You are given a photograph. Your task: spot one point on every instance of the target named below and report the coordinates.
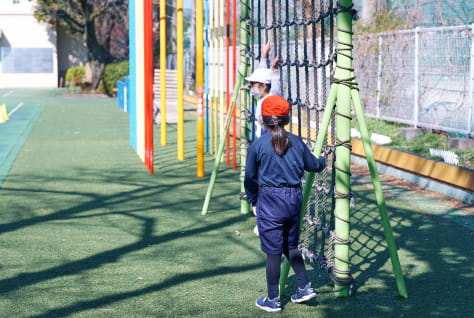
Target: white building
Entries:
(29, 52)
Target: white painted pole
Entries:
(471, 86)
(416, 97)
(212, 77)
(221, 36)
(379, 76)
(215, 75)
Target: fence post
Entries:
(471, 85)
(120, 95)
(379, 77)
(415, 120)
(126, 93)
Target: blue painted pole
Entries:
(126, 95)
(120, 91)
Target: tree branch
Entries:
(105, 6)
(76, 25)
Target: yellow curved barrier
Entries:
(453, 175)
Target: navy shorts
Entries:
(278, 218)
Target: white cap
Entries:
(261, 75)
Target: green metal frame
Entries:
(342, 93)
(392, 247)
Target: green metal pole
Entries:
(244, 99)
(344, 95)
(343, 154)
(220, 150)
(310, 176)
(392, 248)
(243, 69)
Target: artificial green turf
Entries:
(87, 232)
(13, 133)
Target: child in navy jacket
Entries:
(275, 165)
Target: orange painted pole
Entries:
(148, 58)
(234, 79)
(227, 75)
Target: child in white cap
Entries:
(264, 82)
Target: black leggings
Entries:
(273, 270)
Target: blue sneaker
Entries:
(304, 294)
(270, 305)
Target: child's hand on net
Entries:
(275, 63)
(265, 49)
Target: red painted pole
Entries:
(148, 58)
(227, 78)
(234, 72)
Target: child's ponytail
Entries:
(280, 140)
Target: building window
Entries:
(26, 60)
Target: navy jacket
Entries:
(265, 167)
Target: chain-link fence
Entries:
(422, 77)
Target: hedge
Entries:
(112, 73)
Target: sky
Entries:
(187, 4)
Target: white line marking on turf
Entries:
(15, 109)
(7, 94)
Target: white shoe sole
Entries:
(303, 299)
(268, 309)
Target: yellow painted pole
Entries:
(200, 87)
(163, 72)
(180, 69)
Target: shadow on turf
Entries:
(435, 255)
(437, 269)
(110, 256)
(170, 282)
(148, 188)
(144, 191)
